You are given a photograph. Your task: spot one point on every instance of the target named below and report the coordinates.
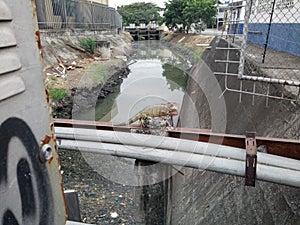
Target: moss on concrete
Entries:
(98, 72)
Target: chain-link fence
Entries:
(265, 35)
(82, 14)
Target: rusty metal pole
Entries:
(251, 159)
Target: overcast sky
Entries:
(115, 3)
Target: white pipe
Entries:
(174, 144)
(203, 45)
(212, 163)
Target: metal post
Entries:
(268, 32)
(63, 13)
(72, 203)
(92, 14)
(251, 159)
(245, 34)
(78, 15)
(40, 9)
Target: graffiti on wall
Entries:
(25, 190)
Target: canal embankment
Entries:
(71, 70)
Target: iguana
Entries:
(161, 110)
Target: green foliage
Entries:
(88, 44)
(197, 54)
(54, 78)
(187, 12)
(58, 93)
(140, 12)
(211, 22)
(174, 13)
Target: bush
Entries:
(88, 44)
(58, 93)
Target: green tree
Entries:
(186, 12)
(139, 13)
(204, 10)
(173, 14)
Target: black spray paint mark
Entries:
(9, 218)
(24, 176)
(31, 202)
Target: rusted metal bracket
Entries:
(251, 159)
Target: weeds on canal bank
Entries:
(197, 53)
(89, 44)
(98, 72)
(58, 93)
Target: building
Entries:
(231, 15)
(221, 16)
(277, 26)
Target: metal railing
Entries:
(263, 49)
(81, 14)
(104, 139)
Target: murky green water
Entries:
(157, 76)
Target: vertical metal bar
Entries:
(267, 96)
(235, 22)
(77, 14)
(248, 7)
(241, 89)
(227, 64)
(41, 14)
(254, 90)
(72, 203)
(251, 159)
(268, 32)
(63, 13)
(92, 14)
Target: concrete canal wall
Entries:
(204, 197)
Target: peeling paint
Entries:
(46, 140)
(38, 41)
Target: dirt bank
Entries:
(189, 45)
(70, 70)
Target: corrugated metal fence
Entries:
(83, 14)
